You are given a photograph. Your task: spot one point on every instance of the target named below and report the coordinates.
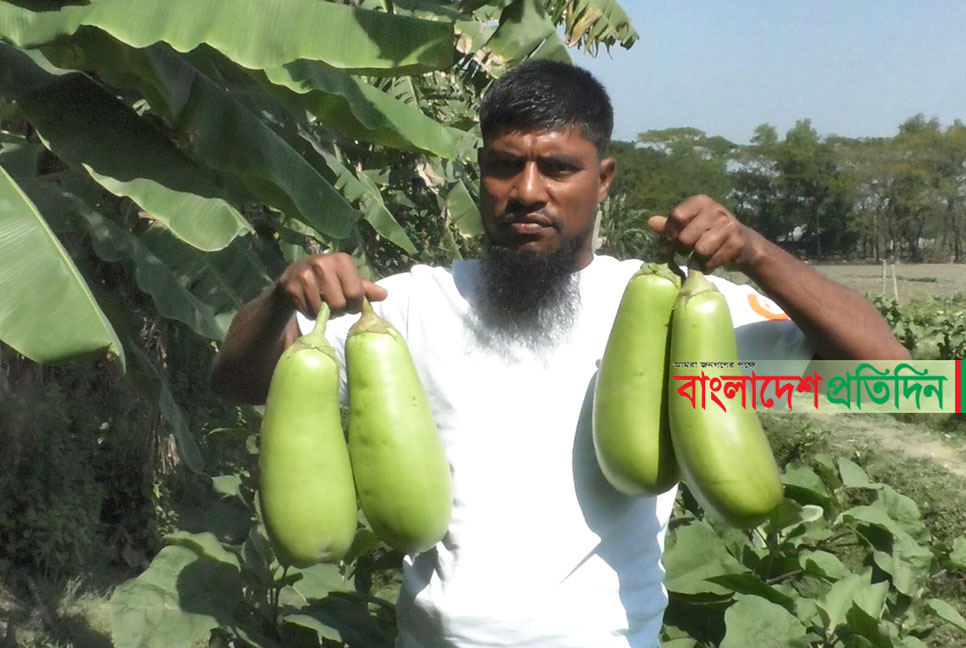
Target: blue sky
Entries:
(856, 68)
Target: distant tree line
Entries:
(898, 198)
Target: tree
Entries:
(793, 191)
(215, 122)
(952, 188)
(868, 161)
(934, 162)
(659, 170)
(160, 161)
(756, 196)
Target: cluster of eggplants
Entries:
(646, 435)
(394, 459)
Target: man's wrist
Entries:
(755, 256)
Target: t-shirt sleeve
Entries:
(394, 309)
(762, 329)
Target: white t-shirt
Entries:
(541, 551)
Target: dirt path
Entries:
(911, 439)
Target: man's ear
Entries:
(608, 167)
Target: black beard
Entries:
(527, 298)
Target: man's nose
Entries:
(530, 187)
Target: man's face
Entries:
(539, 191)
(539, 197)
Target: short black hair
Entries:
(542, 94)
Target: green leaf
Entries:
(834, 606)
(172, 300)
(19, 157)
(752, 585)
(361, 111)
(828, 470)
(228, 522)
(111, 243)
(874, 515)
(351, 618)
(223, 280)
(221, 130)
(524, 28)
(680, 642)
(552, 48)
(258, 35)
(806, 609)
(865, 625)
(908, 564)
(872, 599)
(227, 485)
(316, 582)
(303, 619)
(205, 545)
(753, 621)
(251, 634)
(822, 563)
(791, 515)
(256, 557)
(803, 485)
(947, 613)
(695, 555)
(903, 510)
(47, 312)
(84, 125)
(473, 31)
(361, 188)
(958, 555)
(674, 637)
(175, 603)
(365, 542)
(853, 476)
(463, 210)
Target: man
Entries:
(541, 551)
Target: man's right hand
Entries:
(332, 278)
(265, 326)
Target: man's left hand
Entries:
(714, 234)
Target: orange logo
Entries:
(768, 309)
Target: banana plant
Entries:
(205, 143)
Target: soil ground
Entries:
(912, 438)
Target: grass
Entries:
(40, 613)
(37, 612)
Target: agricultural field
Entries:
(913, 282)
(922, 456)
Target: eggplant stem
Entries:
(674, 267)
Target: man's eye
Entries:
(556, 169)
(503, 166)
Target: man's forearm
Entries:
(261, 330)
(838, 322)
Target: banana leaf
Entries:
(47, 312)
